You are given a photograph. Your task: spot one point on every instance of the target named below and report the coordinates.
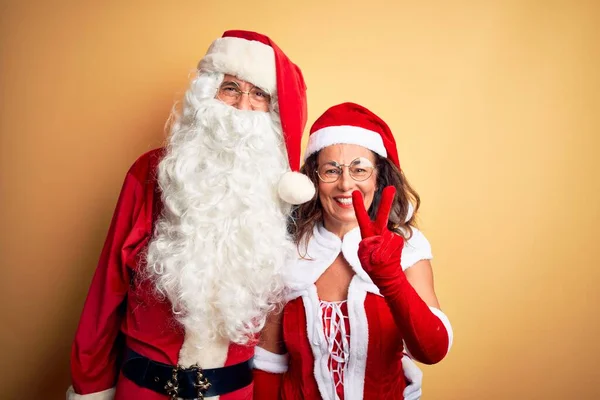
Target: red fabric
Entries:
(424, 333)
(120, 306)
(291, 95)
(267, 385)
(384, 376)
(380, 253)
(352, 114)
(299, 381)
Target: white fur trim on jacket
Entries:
(269, 361)
(108, 394)
(345, 134)
(248, 60)
(324, 247)
(357, 360)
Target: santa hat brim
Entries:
(345, 134)
(249, 60)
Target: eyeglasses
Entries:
(359, 169)
(230, 93)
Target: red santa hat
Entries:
(255, 58)
(350, 123)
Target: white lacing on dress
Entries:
(338, 340)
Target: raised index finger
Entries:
(385, 206)
(364, 221)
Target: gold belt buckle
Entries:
(202, 384)
(172, 386)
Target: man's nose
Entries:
(244, 102)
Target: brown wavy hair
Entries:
(307, 215)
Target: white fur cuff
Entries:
(108, 394)
(270, 362)
(438, 313)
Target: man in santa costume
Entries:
(190, 267)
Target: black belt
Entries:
(186, 383)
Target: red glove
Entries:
(380, 253)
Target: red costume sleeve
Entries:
(425, 333)
(95, 351)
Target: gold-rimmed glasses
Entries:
(360, 169)
(230, 93)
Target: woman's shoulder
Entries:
(416, 248)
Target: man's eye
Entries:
(259, 93)
(333, 171)
(230, 89)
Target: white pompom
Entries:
(296, 188)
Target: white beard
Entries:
(221, 242)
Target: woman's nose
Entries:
(345, 182)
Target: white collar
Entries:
(321, 252)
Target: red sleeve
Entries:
(426, 334)
(95, 351)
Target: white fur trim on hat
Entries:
(108, 394)
(345, 134)
(295, 188)
(248, 60)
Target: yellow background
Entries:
(495, 106)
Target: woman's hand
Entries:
(425, 330)
(379, 249)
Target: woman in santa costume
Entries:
(361, 292)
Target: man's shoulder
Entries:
(144, 168)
